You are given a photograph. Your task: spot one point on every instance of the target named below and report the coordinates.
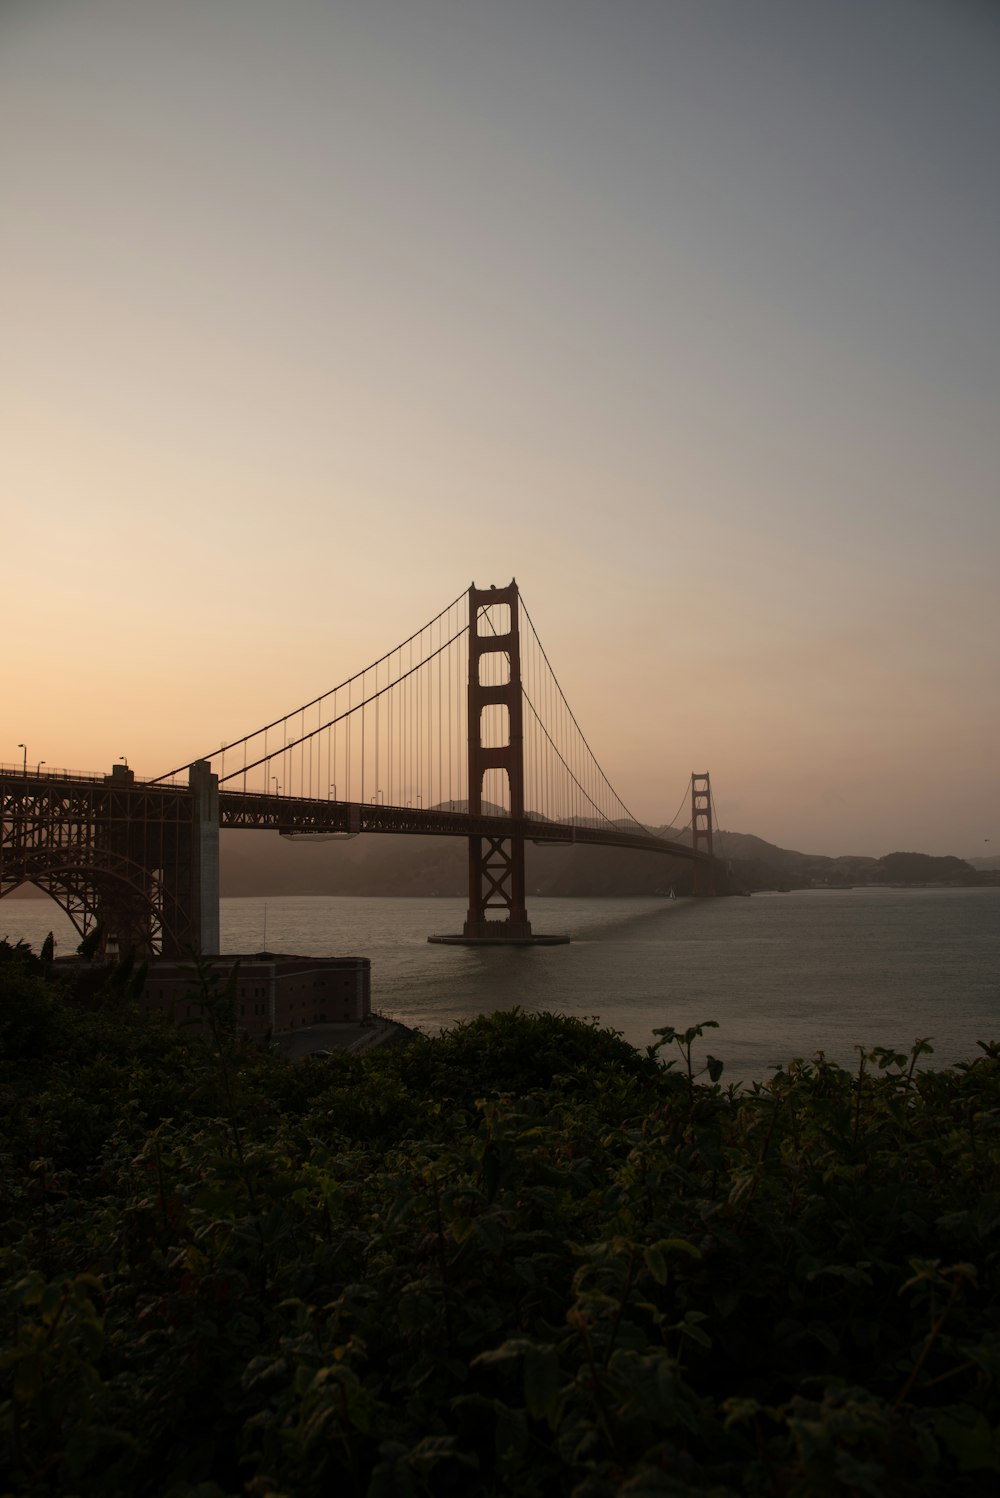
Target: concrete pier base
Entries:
(205, 858)
(531, 940)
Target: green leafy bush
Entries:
(518, 1259)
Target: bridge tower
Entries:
(701, 833)
(496, 864)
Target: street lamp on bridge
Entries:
(334, 790)
(277, 787)
(38, 767)
(25, 766)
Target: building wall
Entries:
(273, 993)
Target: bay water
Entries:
(783, 974)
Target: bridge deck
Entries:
(99, 795)
(290, 815)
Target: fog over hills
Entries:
(257, 863)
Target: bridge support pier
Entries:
(205, 858)
(184, 874)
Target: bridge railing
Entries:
(93, 777)
(50, 774)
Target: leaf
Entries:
(542, 1383)
(490, 1234)
(491, 1173)
(29, 1378)
(461, 1228)
(433, 1449)
(849, 1272)
(690, 1328)
(726, 1300)
(511, 1433)
(33, 1289)
(218, 1201)
(974, 1447)
(825, 1335)
(515, 1347)
(392, 1477)
(741, 1410)
(648, 1482)
(656, 1263)
(680, 1245)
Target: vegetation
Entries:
(756, 865)
(921, 868)
(518, 1259)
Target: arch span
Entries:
(99, 888)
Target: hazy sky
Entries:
(686, 313)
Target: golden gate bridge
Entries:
(462, 730)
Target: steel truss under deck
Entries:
(113, 854)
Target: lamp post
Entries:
(25, 765)
(334, 790)
(38, 767)
(277, 787)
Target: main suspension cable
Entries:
(579, 730)
(315, 700)
(358, 707)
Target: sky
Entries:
(685, 313)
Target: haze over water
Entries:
(784, 974)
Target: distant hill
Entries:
(261, 863)
(255, 863)
(759, 865)
(920, 868)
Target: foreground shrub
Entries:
(520, 1259)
